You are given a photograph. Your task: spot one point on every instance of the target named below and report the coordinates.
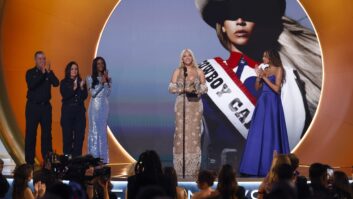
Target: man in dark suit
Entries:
(39, 80)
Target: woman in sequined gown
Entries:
(195, 86)
(99, 85)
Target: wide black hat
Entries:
(264, 12)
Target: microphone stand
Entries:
(184, 110)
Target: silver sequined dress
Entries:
(98, 111)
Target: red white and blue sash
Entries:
(229, 94)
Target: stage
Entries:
(317, 43)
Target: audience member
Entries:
(148, 172)
(204, 182)
(22, 175)
(173, 190)
(271, 178)
(301, 182)
(319, 182)
(227, 187)
(341, 187)
(284, 187)
(4, 185)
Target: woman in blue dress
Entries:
(268, 131)
(99, 85)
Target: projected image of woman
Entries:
(194, 87)
(247, 28)
(99, 86)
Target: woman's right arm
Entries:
(97, 88)
(259, 74)
(258, 83)
(173, 86)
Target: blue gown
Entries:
(267, 133)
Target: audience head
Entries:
(294, 161)
(341, 182)
(205, 179)
(227, 183)
(278, 160)
(329, 172)
(149, 163)
(318, 174)
(22, 175)
(284, 172)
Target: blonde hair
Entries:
(194, 62)
(278, 159)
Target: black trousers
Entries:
(73, 123)
(38, 114)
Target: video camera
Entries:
(74, 169)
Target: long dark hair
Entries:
(68, 70)
(341, 182)
(95, 70)
(227, 183)
(172, 180)
(20, 180)
(275, 60)
(149, 163)
(206, 177)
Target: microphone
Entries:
(185, 72)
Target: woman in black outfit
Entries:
(227, 187)
(73, 112)
(148, 175)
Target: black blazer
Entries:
(71, 96)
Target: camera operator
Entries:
(96, 188)
(92, 175)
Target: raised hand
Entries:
(48, 67)
(39, 189)
(107, 78)
(82, 84)
(259, 71)
(42, 189)
(75, 84)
